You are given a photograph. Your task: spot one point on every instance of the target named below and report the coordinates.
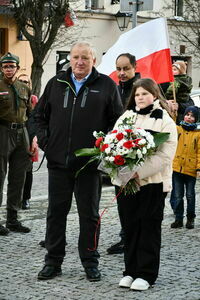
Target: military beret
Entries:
(9, 57)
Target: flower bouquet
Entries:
(123, 150)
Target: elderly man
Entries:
(74, 104)
(15, 106)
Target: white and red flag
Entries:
(149, 43)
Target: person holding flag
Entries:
(177, 92)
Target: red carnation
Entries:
(104, 146)
(128, 130)
(136, 141)
(119, 160)
(128, 144)
(119, 136)
(114, 131)
(98, 142)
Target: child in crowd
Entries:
(186, 167)
(143, 211)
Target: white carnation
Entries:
(107, 150)
(142, 142)
(95, 134)
(144, 150)
(139, 153)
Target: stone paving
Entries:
(22, 258)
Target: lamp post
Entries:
(122, 20)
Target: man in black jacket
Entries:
(125, 67)
(74, 104)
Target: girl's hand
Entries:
(135, 175)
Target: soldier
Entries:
(14, 108)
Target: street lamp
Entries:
(122, 20)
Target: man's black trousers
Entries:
(87, 191)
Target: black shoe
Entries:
(3, 230)
(49, 272)
(26, 204)
(17, 227)
(190, 223)
(93, 274)
(177, 224)
(42, 244)
(116, 248)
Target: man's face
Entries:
(9, 70)
(81, 61)
(125, 69)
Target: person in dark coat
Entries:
(30, 124)
(125, 68)
(182, 89)
(74, 104)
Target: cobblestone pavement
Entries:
(22, 258)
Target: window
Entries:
(62, 60)
(3, 41)
(94, 4)
(179, 8)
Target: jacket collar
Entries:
(127, 84)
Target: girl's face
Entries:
(189, 118)
(143, 98)
(175, 70)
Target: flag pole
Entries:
(174, 97)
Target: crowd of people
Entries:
(75, 103)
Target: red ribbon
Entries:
(99, 222)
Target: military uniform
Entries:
(15, 106)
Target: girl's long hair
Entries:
(151, 86)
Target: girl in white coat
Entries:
(143, 211)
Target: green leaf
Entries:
(87, 152)
(160, 138)
(91, 160)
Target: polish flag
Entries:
(149, 43)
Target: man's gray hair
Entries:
(87, 44)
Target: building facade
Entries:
(96, 22)
(12, 40)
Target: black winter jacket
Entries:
(126, 87)
(66, 121)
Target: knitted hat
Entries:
(194, 110)
(181, 66)
(9, 57)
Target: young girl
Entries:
(143, 211)
(186, 167)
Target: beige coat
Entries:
(158, 167)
